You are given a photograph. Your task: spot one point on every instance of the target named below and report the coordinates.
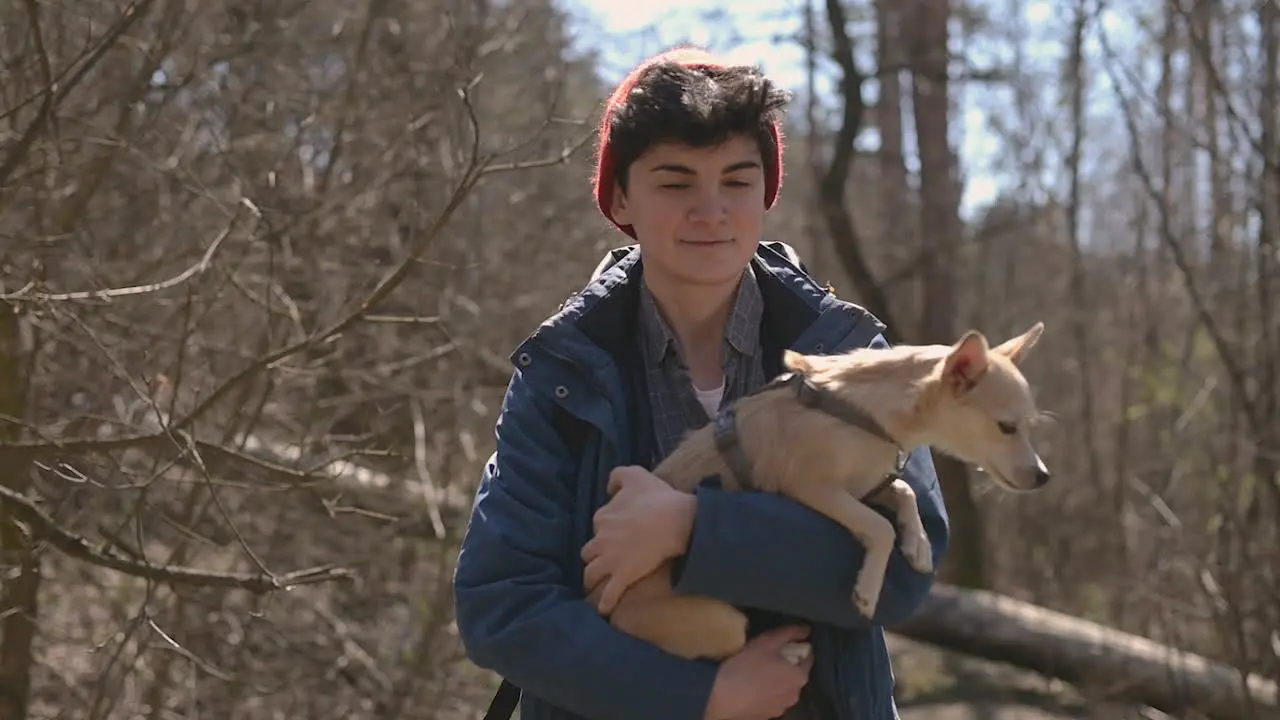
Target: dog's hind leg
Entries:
(690, 626)
(868, 526)
(911, 535)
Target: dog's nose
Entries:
(1042, 477)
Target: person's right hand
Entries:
(759, 683)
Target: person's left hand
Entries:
(644, 523)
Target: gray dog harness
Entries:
(729, 443)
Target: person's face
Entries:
(697, 213)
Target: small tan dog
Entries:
(833, 435)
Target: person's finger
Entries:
(610, 595)
(591, 550)
(593, 597)
(598, 517)
(784, 634)
(617, 479)
(593, 574)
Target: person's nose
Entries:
(708, 205)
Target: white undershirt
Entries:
(710, 399)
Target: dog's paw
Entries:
(865, 601)
(918, 551)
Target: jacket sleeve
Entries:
(766, 551)
(522, 614)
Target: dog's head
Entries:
(983, 407)
(968, 400)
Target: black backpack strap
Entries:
(504, 702)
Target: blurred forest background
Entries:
(262, 264)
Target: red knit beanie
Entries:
(689, 57)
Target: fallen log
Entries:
(981, 624)
(1086, 654)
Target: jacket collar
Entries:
(594, 326)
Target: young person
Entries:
(695, 315)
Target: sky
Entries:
(757, 21)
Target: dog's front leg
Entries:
(911, 535)
(868, 526)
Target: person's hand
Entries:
(644, 523)
(760, 683)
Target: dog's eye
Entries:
(1008, 428)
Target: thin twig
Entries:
(420, 464)
(205, 262)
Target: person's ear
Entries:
(619, 208)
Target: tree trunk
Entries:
(941, 231)
(894, 191)
(19, 563)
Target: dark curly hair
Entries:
(696, 105)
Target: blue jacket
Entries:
(520, 606)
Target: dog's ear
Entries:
(1016, 349)
(796, 362)
(966, 362)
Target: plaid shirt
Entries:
(676, 410)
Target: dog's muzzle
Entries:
(1042, 475)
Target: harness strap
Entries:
(730, 446)
(729, 442)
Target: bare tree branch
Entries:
(45, 529)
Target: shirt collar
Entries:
(742, 332)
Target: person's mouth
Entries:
(706, 243)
